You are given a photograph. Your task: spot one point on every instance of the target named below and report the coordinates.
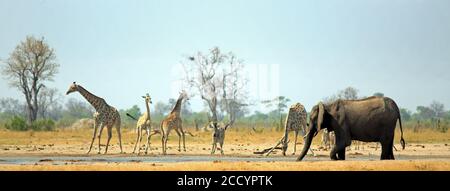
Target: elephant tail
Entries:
(402, 140)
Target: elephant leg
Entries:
(339, 149)
(341, 154)
(384, 150)
(333, 153)
(390, 150)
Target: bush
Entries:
(43, 125)
(17, 124)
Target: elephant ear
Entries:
(320, 116)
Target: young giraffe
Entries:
(144, 123)
(173, 121)
(105, 115)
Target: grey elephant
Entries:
(369, 120)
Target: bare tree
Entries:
(348, 93)
(12, 107)
(31, 64)
(438, 109)
(234, 92)
(161, 108)
(216, 78)
(48, 101)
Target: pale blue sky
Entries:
(122, 49)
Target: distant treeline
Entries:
(13, 115)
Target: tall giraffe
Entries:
(173, 121)
(105, 115)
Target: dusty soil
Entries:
(66, 150)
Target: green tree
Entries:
(76, 109)
(378, 94)
(424, 113)
(280, 104)
(405, 114)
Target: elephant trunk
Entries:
(308, 141)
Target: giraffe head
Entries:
(72, 88)
(147, 98)
(183, 95)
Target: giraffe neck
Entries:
(148, 109)
(95, 101)
(177, 107)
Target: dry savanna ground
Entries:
(425, 150)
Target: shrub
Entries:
(43, 125)
(17, 124)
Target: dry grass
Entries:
(234, 136)
(240, 142)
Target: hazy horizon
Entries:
(308, 50)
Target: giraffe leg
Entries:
(166, 138)
(179, 139)
(93, 137)
(163, 138)
(137, 140)
(221, 148)
(148, 140)
(140, 140)
(162, 144)
(109, 138)
(295, 142)
(213, 149)
(99, 136)
(184, 140)
(120, 137)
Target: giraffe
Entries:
(218, 136)
(295, 121)
(173, 121)
(144, 123)
(105, 115)
(328, 139)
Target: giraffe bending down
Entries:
(328, 139)
(173, 121)
(218, 136)
(295, 121)
(105, 115)
(144, 123)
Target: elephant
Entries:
(372, 119)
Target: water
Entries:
(190, 158)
